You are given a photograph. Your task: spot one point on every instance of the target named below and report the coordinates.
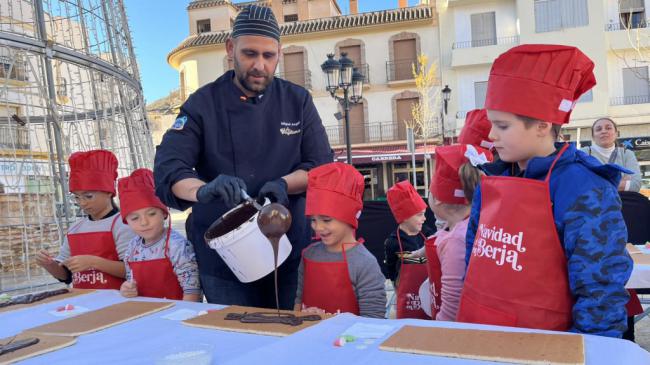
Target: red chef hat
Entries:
(93, 171)
(539, 81)
(445, 183)
(335, 190)
(476, 129)
(137, 192)
(404, 201)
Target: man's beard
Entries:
(242, 77)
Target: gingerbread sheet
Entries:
(217, 320)
(71, 293)
(510, 347)
(45, 344)
(100, 319)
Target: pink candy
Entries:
(339, 342)
(67, 307)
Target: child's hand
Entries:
(624, 180)
(44, 259)
(405, 254)
(80, 263)
(129, 289)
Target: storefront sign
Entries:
(639, 143)
(13, 168)
(386, 158)
(634, 143)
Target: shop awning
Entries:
(378, 154)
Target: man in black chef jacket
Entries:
(244, 131)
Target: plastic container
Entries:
(246, 251)
(425, 297)
(186, 354)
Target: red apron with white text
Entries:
(517, 273)
(99, 244)
(411, 276)
(327, 285)
(156, 278)
(435, 275)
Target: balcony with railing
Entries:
(364, 68)
(480, 51)
(615, 26)
(486, 42)
(299, 77)
(13, 137)
(629, 100)
(373, 132)
(624, 34)
(401, 70)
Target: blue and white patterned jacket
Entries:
(588, 219)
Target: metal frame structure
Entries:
(69, 81)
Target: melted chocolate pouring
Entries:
(267, 317)
(274, 221)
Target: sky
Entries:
(157, 27)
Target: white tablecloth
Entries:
(135, 342)
(640, 278)
(316, 344)
(140, 341)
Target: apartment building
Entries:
(383, 45)
(614, 34)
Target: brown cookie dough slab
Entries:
(100, 319)
(70, 294)
(216, 320)
(510, 347)
(45, 344)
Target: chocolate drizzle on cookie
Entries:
(270, 317)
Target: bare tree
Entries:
(426, 108)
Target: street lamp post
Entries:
(342, 75)
(446, 95)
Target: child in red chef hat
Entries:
(160, 262)
(408, 208)
(546, 238)
(338, 274)
(92, 252)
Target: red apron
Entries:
(633, 305)
(435, 275)
(327, 285)
(410, 278)
(99, 244)
(517, 274)
(156, 278)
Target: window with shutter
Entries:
(635, 85)
(553, 15)
(480, 90)
(484, 31)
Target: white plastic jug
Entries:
(246, 251)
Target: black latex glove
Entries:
(224, 187)
(276, 191)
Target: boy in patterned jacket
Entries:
(546, 238)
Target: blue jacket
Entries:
(589, 223)
(219, 132)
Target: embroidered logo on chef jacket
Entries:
(179, 123)
(289, 129)
(502, 247)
